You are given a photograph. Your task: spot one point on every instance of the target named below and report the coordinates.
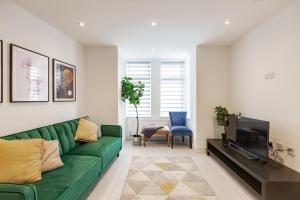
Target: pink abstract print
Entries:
(30, 76)
(33, 77)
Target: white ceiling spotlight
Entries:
(81, 24)
(227, 22)
(152, 49)
(153, 23)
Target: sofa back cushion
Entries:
(63, 132)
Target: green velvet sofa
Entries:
(83, 163)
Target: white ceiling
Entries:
(181, 24)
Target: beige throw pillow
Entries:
(86, 131)
(51, 159)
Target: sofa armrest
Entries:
(111, 130)
(18, 192)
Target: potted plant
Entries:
(222, 116)
(132, 92)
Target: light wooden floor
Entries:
(221, 181)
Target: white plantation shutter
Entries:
(140, 71)
(172, 87)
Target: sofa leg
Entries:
(172, 142)
(191, 142)
(118, 155)
(183, 139)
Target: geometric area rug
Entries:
(165, 178)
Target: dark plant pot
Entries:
(224, 140)
(220, 122)
(137, 140)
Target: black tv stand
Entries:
(242, 151)
(270, 181)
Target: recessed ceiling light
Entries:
(152, 49)
(81, 24)
(227, 22)
(153, 24)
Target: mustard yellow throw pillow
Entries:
(21, 161)
(86, 131)
(51, 158)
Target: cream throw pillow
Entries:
(50, 158)
(86, 131)
(20, 161)
(99, 134)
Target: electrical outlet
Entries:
(269, 76)
(291, 151)
(279, 146)
(270, 144)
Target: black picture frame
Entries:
(12, 98)
(1, 71)
(54, 86)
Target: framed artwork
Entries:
(1, 71)
(29, 75)
(64, 81)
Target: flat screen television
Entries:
(249, 134)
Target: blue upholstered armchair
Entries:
(178, 127)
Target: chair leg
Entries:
(172, 141)
(191, 142)
(182, 139)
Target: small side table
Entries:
(165, 131)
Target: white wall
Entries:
(212, 90)
(272, 47)
(22, 28)
(121, 108)
(102, 86)
(192, 122)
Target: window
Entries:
(140, 71)
(172, 87)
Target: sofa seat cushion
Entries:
(106, 148)
(70, 181)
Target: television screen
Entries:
(250, 134)
(231, 128)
